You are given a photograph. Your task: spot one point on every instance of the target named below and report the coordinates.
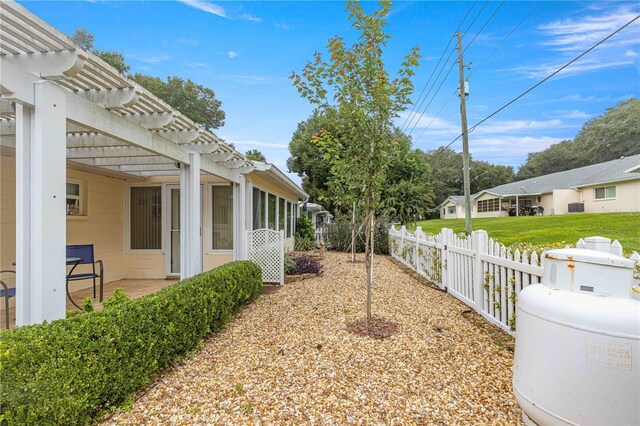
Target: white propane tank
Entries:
(577, 350)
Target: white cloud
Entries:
(206, 6)
(631, 53)
(232, 54)
(518, 126)
(570, 114)
(244, 78)
(196, 65)
(570, 36)
(250, 18)
(509, 149)
(283, 26)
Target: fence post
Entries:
(390, 234)
(480, 240)
(446, 238)
(417, 253)
(403, 230)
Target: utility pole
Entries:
(465, 141)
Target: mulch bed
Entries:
(379, 328)
(289, 358)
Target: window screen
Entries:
(272, 211)
(222, 217)
(145, 218)
(281, 214)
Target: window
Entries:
(451, 209)
(281, 214)
(259, 208)
(74, 198)
(605, 192)
(492, 205)
(145, 218)
(222, 217)
(271, 217)
(539, 199)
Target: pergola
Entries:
(62, 106)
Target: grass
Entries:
(624, 227)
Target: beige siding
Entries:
(447, 215)
(213, 260)
(486, 196)
(627, 198)
(145, 265)
(561, 200)
(546, 203)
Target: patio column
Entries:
(517, 207)
(41, 223)
(241, 216)
(190, 218)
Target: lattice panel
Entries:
(265, 247)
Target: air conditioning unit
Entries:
(576, 208)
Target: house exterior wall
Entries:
(561, 200)
(486, 196)
(104, 221)
(447, 215)
(627, 198)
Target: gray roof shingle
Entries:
(626, 168)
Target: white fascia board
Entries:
(50, 65)
(271, 169)
(18, 85)
(608, 182)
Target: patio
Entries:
(288, 359)
(133, 288)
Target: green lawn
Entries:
(538, 230)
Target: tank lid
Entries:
(589, 256)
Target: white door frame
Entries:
(167, 224)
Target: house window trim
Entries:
(127, 221)
(80, 197)
(488, 205)
(605, 198)
(209, 201)
(449, 208)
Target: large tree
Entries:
(197, 102)
(614, 134)
(255, 155)
(355, 84)
(85, 39)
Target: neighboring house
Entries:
(90, 157)
(613, 186)
(318, 214)
(453, 207)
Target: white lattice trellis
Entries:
(265, 247)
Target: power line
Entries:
(420, 115)
(539, 83)
(484, 26)
(435, 68)
(503, 40)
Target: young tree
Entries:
(255, 155)
(356, 86)
(85, 39)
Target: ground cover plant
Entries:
(74, 371)
(303, 264)
(543, 230)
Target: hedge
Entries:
(76, 370)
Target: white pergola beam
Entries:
(127, 168)
(221, 156)
(91, 140)
(122, 161)
(106, 152)
(153, 121)
(181, 136)
(113, 98)
(40, 201)
(50, 65)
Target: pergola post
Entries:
(190, 218)
(241, 218)
(517, 206)
(40, 206)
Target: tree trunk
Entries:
(369, 261)
(353, 234)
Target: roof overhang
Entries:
(608, 182)
(275, 173)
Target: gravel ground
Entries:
(288, 359)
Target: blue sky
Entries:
(246, 51)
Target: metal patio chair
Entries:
(85, 252)
(7, 293)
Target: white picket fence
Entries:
(477, 270)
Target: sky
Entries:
(246, 52)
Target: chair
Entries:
(7, 293)
(85, 252)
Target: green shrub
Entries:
(304, 228)
(74, 371)
(339, 237)
(304, 244)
